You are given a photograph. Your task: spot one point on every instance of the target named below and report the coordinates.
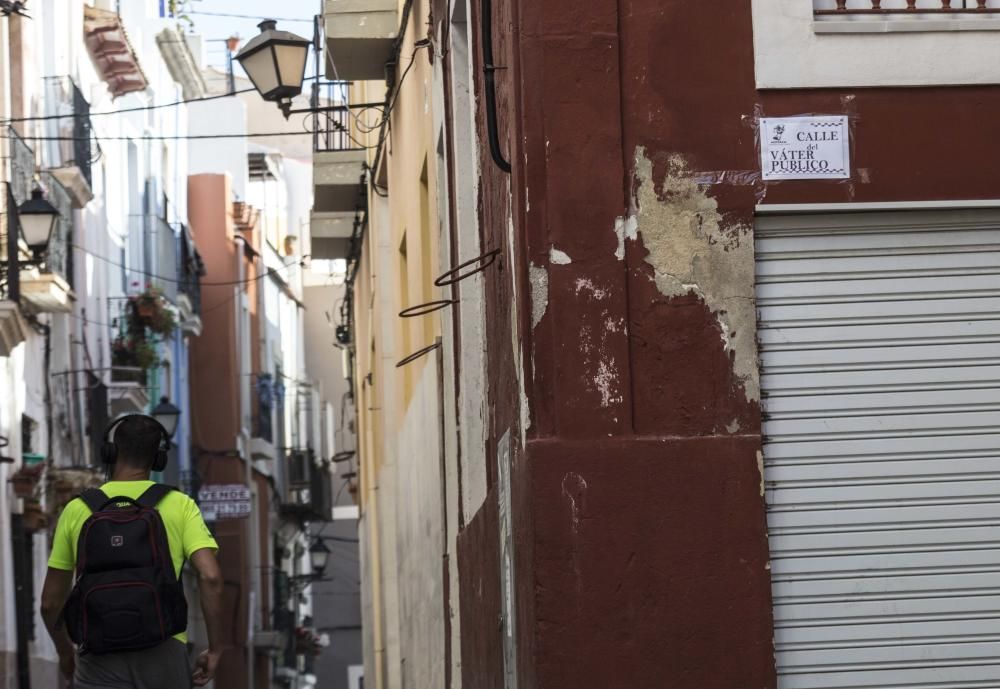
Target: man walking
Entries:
(126, 613)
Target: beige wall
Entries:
(399, 408)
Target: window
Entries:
(830, 43)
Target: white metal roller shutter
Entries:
(880, 347)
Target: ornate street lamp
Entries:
(37, 218)
(275, 61)
(168, 415)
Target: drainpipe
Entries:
(243, 443)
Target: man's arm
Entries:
(58, 584)
(210, 592)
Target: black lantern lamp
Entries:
(37, 218)
(319, 554)
(168, 415)
(275, 61)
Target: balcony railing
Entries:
(334, 130)
(70, 133)
(963, 8)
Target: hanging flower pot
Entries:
(151, 310)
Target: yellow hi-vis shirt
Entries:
(186, 529)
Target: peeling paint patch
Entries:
(587, 285)
(515, 342)
(694, 250)
(560, 258)
(760, 468)
(734, 427)
(539, 279)
(606, 382)
(625, 228)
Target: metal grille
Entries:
(881, 392)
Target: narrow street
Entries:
(499, 344)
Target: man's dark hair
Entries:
(137, 439)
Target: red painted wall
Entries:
(640, 527)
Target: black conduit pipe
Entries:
(486, 21)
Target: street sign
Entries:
(805, 148)
(224, 501)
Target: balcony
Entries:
(307, 494)
(338, 172)
(48, 288)
(111, 51)
(890, 16)
(359, 37)
(132, 354)
(68, 153)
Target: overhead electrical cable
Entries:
(249, 16)
(267, 273)
(185, 137)
(140, 108)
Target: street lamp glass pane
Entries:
(36, 228)
(260, 68)
(292, 64)
(319, 554)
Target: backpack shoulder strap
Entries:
(94, 498)
(152, 495)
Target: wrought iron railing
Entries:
(333, 130)
(69, 134)
(21, 166)
(59, 256)
(915, 7)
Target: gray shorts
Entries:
(163, 667)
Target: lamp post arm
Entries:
(286, 108)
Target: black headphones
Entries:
(109, 450)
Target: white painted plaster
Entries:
(790, 53)
(560, 258)
(538, 276)
(625, 228)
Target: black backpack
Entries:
(127, 596)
